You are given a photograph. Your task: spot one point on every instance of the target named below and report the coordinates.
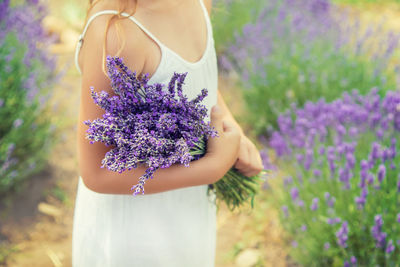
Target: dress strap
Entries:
(110, 12)
(207, 17)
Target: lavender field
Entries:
(315, 83)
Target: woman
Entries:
(173, 224)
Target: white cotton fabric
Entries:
(169, 229)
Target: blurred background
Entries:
(315, 83)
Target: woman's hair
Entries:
(123, 6)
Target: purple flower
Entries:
(378, 220)
(10, 150)
(17, 123)
(390, 247)
(379, 133)
(344, 177)
(364, 165)
(331, 202)
(309, 159)
(333, 221)
(377, 234)
(353, 131)
(361, 200)
(300, 158)
(381, 172)
(370, 179)
(341, 130)
(342, 235)
(4, 8)
(317, 173)
(353, 260)
(314, 204)
(363, 176)
(294, 192)
(266, 160)
(351, 160)
(398, 217)
(376, 152)
(300, 203)
(327, 246)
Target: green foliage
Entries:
(5, 251)
(228, 18)
(299, 50)
(293, 78)
(340, 161)
(60, 194)
(309, 245)
(26, 74)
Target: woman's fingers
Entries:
(229, 127)
(249, 162)
(225, 147)
(243, 161)
(256, 162)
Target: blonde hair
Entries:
(123, 6)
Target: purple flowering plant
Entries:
(156, 125)
(300, 50)
(27, 71)
(343, 195)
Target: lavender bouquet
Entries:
(148, 125)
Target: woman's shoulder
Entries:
(115, 29)
(123, 38)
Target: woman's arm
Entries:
(249, 161)
(221, 155)
(222, 151)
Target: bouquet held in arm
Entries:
(156, 125)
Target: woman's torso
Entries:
(174, 228)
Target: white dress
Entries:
(171, 229)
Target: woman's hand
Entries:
(224, 149)
(249, 161)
